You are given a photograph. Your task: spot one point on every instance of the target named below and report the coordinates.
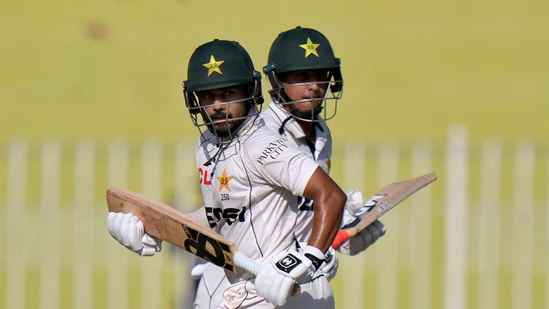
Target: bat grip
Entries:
(244, 262)
(341, 237)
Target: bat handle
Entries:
(244, 262)
(341, 237)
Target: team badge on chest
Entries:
(224, 181)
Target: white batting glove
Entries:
(128, 230)
(355, 209)
(276, 278)
(330, 265)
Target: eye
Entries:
(203, 95)
(304, 75)
(228, 93)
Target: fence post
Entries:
(50, 223)
(83, 259)
(15, 233)
(151, 186)
(420, 235)
(455, 263)
(488, 224)
(117, 256)
(523, 229)
(547, 238)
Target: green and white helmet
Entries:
(303, 49)
(219, 64)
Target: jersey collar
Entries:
(292, 126)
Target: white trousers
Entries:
(213, 284)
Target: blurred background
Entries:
(90, 97)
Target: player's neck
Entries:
(309, 129)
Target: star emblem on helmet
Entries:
(224, 180)
(310, 48)
(213, 66)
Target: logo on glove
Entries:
(288, 263)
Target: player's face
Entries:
(307, 86)
(225, 108)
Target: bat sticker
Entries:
(373, 201)
(196, 243)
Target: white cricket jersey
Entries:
(249, 188)
(275, 116)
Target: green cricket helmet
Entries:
(304, 49)
(220, 64)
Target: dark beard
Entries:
(225, 129)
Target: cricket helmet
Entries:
(304, 49)
(220, 64)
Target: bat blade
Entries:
(384, 200)
(170, 225)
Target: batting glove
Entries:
(355, 209)
(128, 230)
(330, 265)
(276, 278)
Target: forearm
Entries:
(327, 219)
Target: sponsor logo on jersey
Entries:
(205, 177)
(273, 150)
(305, 204)
(224, 181)
(230, 215)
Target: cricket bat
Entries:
(383, 201)
(168, 224)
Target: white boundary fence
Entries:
(477, 238)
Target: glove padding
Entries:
(354, 211)
(330, 265)
(128, 230)
(364, 239)
(276, 278)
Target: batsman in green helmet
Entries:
(306, 84)
(222, 71)
(304, 74)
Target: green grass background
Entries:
(411, 69)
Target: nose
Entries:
(312, 86)
(219, 105)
